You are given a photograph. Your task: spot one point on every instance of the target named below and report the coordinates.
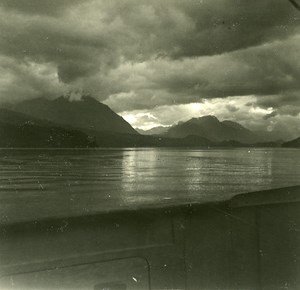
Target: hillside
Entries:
(86, 114)
(211, 128)
(23, 130)
(19, 130)
(292, 144)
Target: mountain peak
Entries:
(69, 99)
(204, 120)
(89, 98)
(86, 113)
(211, 128)
(208, 117)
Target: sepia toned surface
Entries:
(52, 183)
(236, 244)
(149, 144)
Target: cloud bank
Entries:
(142, 56)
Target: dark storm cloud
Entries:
(276, 101)
(140, 54)
(283, 104)
(270, 71)
(221, 26)
(42, 39)
(44, 7)
(23, 81)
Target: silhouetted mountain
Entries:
(153, 131)
(272, 136)
(292, 144)
(19, 130)
(270, 144)
(211, 128)
(76, 124)
(20, 119)
(86, 114)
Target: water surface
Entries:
(51, 183)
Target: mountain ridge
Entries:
(211, 128)
(295, 143)
(85, 114)
(93, 120)
(18, 130)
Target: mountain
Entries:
(86, 114)
(85, 123)
(211, 128)
(153, 131)
(272, 136)
(292, 144)
(22, 130)
(19, 130)
(20, 119)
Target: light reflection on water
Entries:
(42, 183)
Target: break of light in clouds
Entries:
(233, 108)
(157, 62)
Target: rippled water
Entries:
(43, 183)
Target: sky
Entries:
(158, 62)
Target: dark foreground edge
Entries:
(249, 242)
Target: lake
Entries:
(42, 183)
